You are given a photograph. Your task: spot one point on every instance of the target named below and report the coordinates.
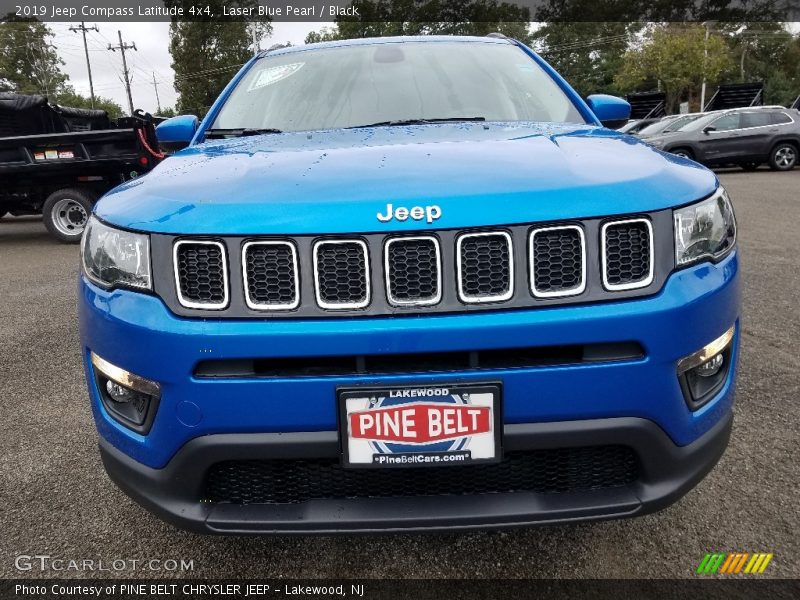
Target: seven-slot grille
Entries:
(270, 275)
(557, 261)
(485, 267)
(341, 270)
(413, 269)
(201, 274)
(627, 254)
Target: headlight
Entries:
(704, 230)
(656, 143)
(112, 257)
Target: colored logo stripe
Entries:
(734, 563)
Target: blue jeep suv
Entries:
(409, 284)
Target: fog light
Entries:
(703, 373)
(119, 393)
(710, 368)
(128, 398)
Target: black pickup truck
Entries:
(57, 161)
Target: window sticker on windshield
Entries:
(274, 75)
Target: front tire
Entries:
(683, 153)
(783, 157)
(66, 213)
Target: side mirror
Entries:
(709, 129)
(611, 111)
(176, 133)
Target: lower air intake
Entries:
(542, 471)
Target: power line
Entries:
(83, 29)
(155, 86)
(122, 47)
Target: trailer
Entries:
(57, 161)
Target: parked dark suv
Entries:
(745, 137)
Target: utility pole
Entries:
(708, 25)
(38, 66)
(83, 29)
(122, 47)
(158, 101)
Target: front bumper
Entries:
(199, 422)
(666, 473)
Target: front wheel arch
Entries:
(682, 151)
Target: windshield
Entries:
(656, 127)
(700, 122)
(680, 123)
(630, 125)
(359, 85)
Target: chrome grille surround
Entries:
(435, 298)
(188, 303)
(532, 263)
(639, 283)
(246, 278)
(318, 284)
(478, 299)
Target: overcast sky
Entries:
(152, 56)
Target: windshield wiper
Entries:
(401, 122)
(241, 132)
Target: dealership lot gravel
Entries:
(56, 500)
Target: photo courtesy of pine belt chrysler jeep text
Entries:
(409, 284)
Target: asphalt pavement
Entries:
(56, 500)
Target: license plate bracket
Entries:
(420, 425)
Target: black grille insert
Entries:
(421, 362)
(485, 269)
(557, 261)
(413, 270)
(627, 254)
(341, 274)
(543, 471)
(201, 274)
(271, 275)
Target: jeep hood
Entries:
(337, 181)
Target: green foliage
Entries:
(765, 52)
(206, 54)
(28, 63)
(379, 18)
(67, 96)
(673, 57)
(168, 112)
(587, 54)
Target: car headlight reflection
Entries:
(705, 230)
(115, 258)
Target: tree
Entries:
(206, 54)
(763, 51)
(672, 56)
(168, 112)
(28, 62)
(378, 18)
(67, 96)
(587, 54)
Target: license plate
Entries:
(420, 426)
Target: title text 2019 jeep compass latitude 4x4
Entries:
(409, 283)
